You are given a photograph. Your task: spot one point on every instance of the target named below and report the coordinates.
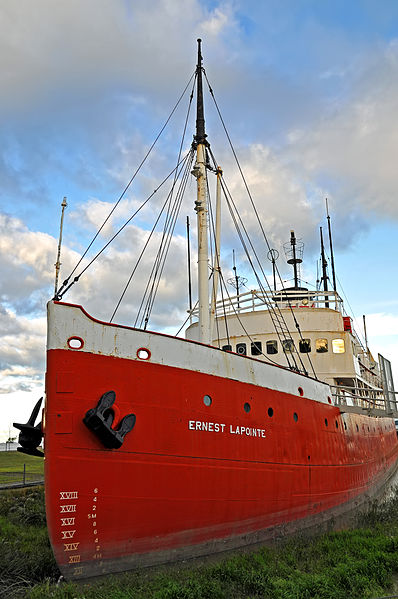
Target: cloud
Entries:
(22, 351)
(50, 48)
(350, 149)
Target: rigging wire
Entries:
(218, 267)
(264, 236)
(183, 161)
(61, 292)
(278, 317)
(164, 247)
(75, 280)
(170, 223)
(237, 315)
(165, 228)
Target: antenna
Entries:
(331, 247)
(236, 281)
(273, 256)
(58, 263)
(294, 254)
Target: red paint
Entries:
(173, 484)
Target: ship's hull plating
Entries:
(190, 478)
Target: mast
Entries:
(273, 255)
(366, 334)
(294, 260)
(331, 248)
(58, 263)
(189, 271)
(201, 208)
(216, 264)
(324, 271)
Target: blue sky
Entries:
(309, 91)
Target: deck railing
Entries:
(253, 300)
(358, 396)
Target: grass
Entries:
(352, 564)
(12, 464)
(26, 557)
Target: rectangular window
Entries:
(321, 346)
(305, 346)
(241, 349)
(288, 346)
(227, 348)
(256, 348)
(338, 346)
(272, 347)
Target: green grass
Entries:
(12, 464)
(13, 461)
(352, 564)
(26, 557)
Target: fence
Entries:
(22, 478)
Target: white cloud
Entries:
(354, 144)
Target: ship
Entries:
(270, 417)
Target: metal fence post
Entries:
(24, 474)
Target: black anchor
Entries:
(30, 436)
(100, 419)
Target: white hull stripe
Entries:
(66, 321)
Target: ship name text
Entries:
(231, 429)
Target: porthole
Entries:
(270, 412)
(301, 392)
(326, 422)
(207, 400)
(329, 399)
(143, 353)
(75, 343)
(247, 407)
(295, 417)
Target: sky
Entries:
(309, 93)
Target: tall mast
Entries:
(324, 271)
(58, 263)
(216, 263)
(331, 248)
(201, 208)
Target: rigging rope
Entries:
(280, 316)
(157, 270)
(183, 161)
(75, 280)
(169, 224)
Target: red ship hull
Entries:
(191, 478)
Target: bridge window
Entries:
(338, 346)
(272, 346)
(256, 348)
(305, 346)
(321, 346)
(288, 346)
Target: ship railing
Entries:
(253, 300)
(358, 396)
